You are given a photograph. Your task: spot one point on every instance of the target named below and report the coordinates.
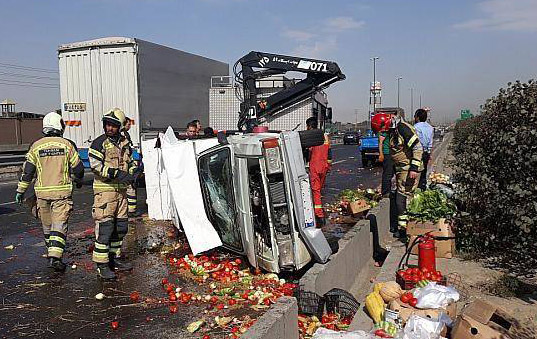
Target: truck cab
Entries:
(256, 194)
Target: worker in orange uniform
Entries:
(320, 161)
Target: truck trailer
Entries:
(156, 86)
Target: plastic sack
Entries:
(422, 328)
(324, 333)
(435, 296)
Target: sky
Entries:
(453, 54)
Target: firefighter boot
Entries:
(117, 264)
(105, 272)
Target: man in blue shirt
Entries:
(425, 134)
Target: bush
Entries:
(496, 170)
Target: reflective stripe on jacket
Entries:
(106, 158)
(405, 147)
(51, 160)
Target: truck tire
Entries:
(365, 161)
(314, 137)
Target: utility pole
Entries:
(420, 102)
(411, 101)
(356, 113)
(398, 79)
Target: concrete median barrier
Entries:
(280, 321)
(354, 255)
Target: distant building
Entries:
(7, 110)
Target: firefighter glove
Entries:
(125, 178)
(18, 198)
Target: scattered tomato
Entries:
(115, 325)
(220, 306)
(206, 337)
(406, 297)
(235, 329)
(173, 308)
(164, 281)
(413, 302)
(238, 261)
(172, 297)
(135, 296)
(245, 295)
(232, 302)
(169, 288)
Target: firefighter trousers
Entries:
(131, 199)
(111, 224)
(317, 179)
(405, 189)
(54, 214)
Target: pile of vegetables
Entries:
(430, 205)
(307, 325)
(439, 178)
(368, 196)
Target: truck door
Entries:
(216, 179)
(301, 197)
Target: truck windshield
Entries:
(217, 185)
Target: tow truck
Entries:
(252, 182)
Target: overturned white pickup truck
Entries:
(247, 192)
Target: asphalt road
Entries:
(42, 304)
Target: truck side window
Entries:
(217, 183)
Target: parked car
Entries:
(351, 138)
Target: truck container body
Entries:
(154, 85)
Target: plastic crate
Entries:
(408, 285)
(341, 302)
(309, 303)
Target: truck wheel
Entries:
(365, 161)
(314, 137)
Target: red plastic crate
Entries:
(408, 285)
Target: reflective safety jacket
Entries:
(321, 157)
(53, 159)
(405, 147)
(106, 158)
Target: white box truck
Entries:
(155, 85)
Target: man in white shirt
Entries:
(425, 134)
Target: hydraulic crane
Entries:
(258, 65)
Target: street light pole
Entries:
(411, 100)
(398, 79)
(374, 59)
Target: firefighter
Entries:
(131, 189)
(53, 160)
(320, 161)
(111, 162)
(406, 152)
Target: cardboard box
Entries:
(482, 320)
(358, 206)
(444, 248)
(405, 310)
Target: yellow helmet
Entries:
(115, 116)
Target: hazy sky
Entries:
(455, 54)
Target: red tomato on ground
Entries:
(164, 281)
(413, 302)
(114, 325)
(173, 308)
(406, 297)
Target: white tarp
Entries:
(156, 182)
(179, 160)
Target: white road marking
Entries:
(8, 203)
(8, 183)
(339, 161)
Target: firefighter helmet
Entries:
(53, 124)
(381, 122)
(115, 116)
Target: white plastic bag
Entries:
(422, 328)
(435, 296)
(324, 333)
